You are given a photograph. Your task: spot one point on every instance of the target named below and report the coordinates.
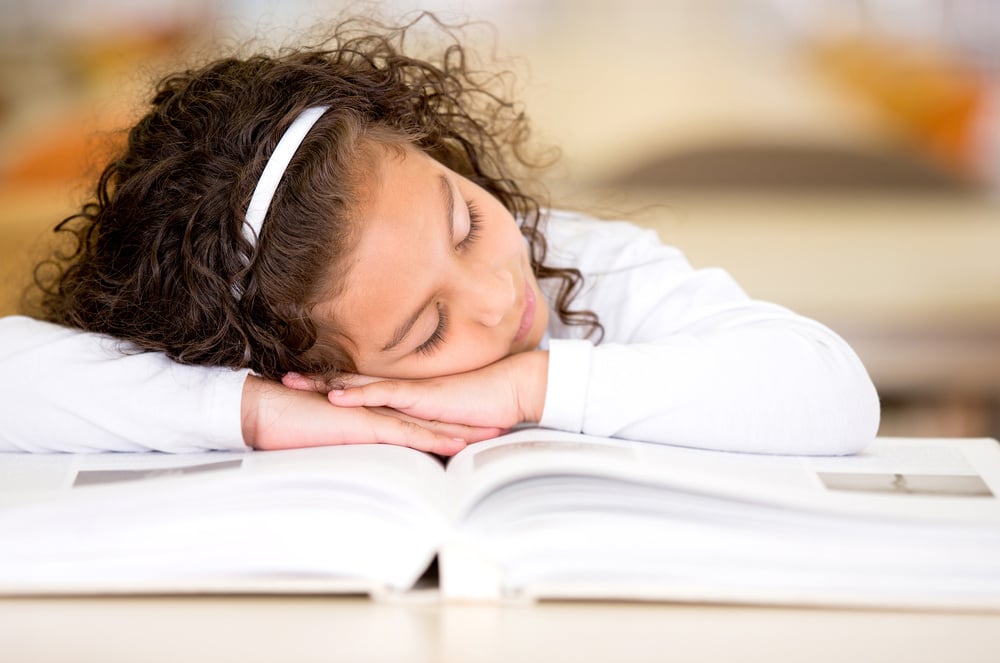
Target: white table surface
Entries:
(247, 629)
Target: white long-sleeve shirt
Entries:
(687, 358)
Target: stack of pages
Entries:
(532, 515)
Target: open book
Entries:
(532, 515)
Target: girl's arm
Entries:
(66, 390)
(688, 358)
(767, 384)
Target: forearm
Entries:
(65, 390)
(782, 387)
(530, 377)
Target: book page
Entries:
(935, 473)
(548, 514)
(32, 477)
(348, 516)
(483, 467)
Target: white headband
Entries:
(269, 180)
(275, 169)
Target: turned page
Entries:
(482, 468)
(550, 515)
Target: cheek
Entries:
(472, 352)
(476, 349)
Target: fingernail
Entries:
(337, 392)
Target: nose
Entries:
(488, 294)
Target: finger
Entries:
(448, 429)
(304, 383)
(417, 399)
(467, 433)
(390, 430)
(349, 380)
(385, 393)
(320, 384)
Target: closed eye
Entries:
(437, 337)
(475, 225)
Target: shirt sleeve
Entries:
(71, 391)
(689, 359)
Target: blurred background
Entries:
(838, 157)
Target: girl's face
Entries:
(440, 281)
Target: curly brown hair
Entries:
(160, 250)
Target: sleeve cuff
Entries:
(568, 382)
(213, 398)
(226, 431)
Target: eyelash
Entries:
(475, 224)
(431, 344)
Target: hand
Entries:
(276, 417)
(500, 395)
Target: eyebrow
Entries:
(404, 329)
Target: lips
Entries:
(528, 317)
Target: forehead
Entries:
(401, 220)
(400, 177)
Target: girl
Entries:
(331, 246)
